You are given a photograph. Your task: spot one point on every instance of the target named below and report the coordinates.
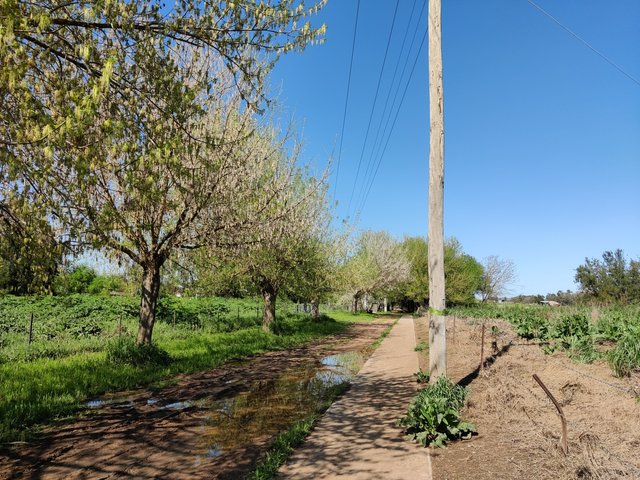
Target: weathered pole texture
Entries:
(437, 321)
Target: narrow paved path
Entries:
(357, 437)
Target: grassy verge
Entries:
(383, 335)
(285, 443)
(33, 392)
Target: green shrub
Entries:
(433, 417)
(625, 357)
(124, 351)
(76, 280)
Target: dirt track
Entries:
(518, 426)
(136, 439)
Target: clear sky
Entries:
(542, 135)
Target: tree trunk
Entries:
(269, 312)
(315, 309)
(437, 321)
(355, 303)
(385, 305)
(148, 300)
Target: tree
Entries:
(131, 124)
(284, 251)
(498, 275)
(318, 270)
(377, 267)
(462, 272)
(29, 251)
(417, 288)
(437, 320)
(613, 279)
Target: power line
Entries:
(378, 145)
(587, 44)
(375, 173)
(346, 101)
(375, 100)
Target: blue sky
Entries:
(542, 136)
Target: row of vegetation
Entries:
(42, 388)
(585, 333)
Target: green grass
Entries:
(33, 392)
(80, 347)
(342, 316)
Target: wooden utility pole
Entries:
(437, 321)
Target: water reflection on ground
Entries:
(260, 412)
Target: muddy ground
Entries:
(518, 426)
(171, 433)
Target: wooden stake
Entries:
(563, 438)
(482, 349)
(31, 329)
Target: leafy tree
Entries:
(128, 121)
(76, 279)
(318, 268)
(378, 266)
(417, 288)
(613, 279)
(463, 274)
(29, 251)
(498, 275)
(285, 254)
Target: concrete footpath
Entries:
(357, 437)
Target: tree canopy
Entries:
(614, 279)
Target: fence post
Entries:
(482, 350)
(31, 329)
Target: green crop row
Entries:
(585, 333)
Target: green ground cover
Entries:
(585, 333)
(67, 361)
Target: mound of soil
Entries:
(519, 428)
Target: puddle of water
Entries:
(271, 406)
(267, 408)
(177, 406)
(110, 402)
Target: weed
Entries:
(625, 357)
(124, 351)
(421, 347)
(422, 376)
(433, 417)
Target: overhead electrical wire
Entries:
(587, 44)
(375, 100)
(369, 176)
(404, 93)
(346, 101)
